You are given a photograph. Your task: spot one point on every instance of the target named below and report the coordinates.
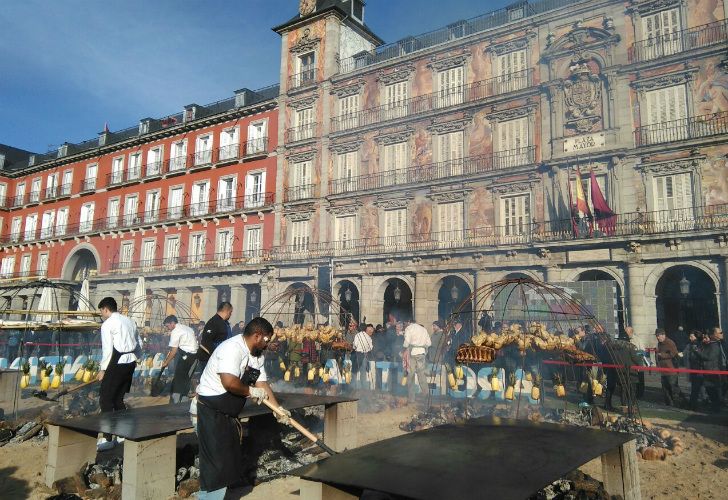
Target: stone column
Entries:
(641, 312)
(722, 294)
(369, 305)
(239, 300)
(184, 305)
(209, 302)
(425, 306)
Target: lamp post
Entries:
(347, 294)
(397, 293)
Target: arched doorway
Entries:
(304, 310)
(80, 265)
(598, 275)
(397, 300)
(451, 294)
(685, 298)
(348, 298)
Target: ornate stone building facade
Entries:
(409, 174)
(422, 169)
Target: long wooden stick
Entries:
(301, 429)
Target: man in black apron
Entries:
(121, 348)
(234, 372)
(184, 351)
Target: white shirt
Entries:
(417, 337)
(183, 337)
(120, 333)
(363, 342)
(233, 357)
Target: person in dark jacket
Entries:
(692, 361)
(623, 354)
(666, 354)
(216, 331)
(713, 357)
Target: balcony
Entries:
(683, 129)
(5, 203)
(231, 152)
(463, 94)
(34, 197)
(298, 193)
(202, 158)
(51, 193)
(305, 78)
(515, 12)
(66, 189)
(134, 173)
(88, 185)
(255, 147)
(153, 170)
(300, 133)
(463, 167)
(192, 261)
(679, 42)
(522, 232)
(251, 203)
(19, 200)
(115, 178)
(178, 164)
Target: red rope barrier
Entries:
(54, 345)
(640, 368)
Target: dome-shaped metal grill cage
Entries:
(529, 327)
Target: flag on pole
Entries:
(582, 206)
(604, 216)
(572, 211)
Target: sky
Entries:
(68, 68)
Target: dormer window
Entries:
(357, 10)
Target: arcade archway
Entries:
(397, 300)
(685, 298)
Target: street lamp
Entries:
(454, 292)
(684, 286)
(397, 293)
(253, 297)
(347, 294)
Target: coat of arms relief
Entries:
(583, 99)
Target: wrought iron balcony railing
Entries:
(34, 197)
(88, 184)
(255, 147)
(202, 158)
(5, 203)
(302, 132)
(302, 192)
(251, 203)
(19, 200)
(51, 192)
(305, 78)
(191, 261)
(461, 94)
(460, 167)
(517, 11)
(683, 129)
(679, 41)
(66, 189)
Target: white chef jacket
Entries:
(417, 337)
(233, 357)
(120, 333)
(183, 337)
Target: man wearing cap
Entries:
(234, 373)
(184, 351)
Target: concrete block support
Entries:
(311, 490)
(340, 426)
(67, 451)
(149, 468)
(621, 473)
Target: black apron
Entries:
(184, 367)
(220, 437)
(121, 369)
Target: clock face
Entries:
(305, 7)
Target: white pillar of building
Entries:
(642, 313)
(239, 300)
(209, 302)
